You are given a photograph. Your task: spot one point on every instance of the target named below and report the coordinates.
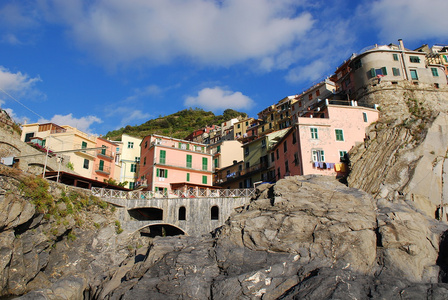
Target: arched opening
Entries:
(182, 213)
(161, 230)
(214, 213)
(146, 214)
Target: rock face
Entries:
(305, 237)
(54, 241)
(405, 153)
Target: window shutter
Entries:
(384, 70)
(372, 72)
(166, 173)
(158, 172)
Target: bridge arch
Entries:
(161, 229)
(146, 213)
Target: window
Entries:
(434, 72)
(130, 145)
(285, 147)
(357, 64)
(131, 185)
(162, 173)
(276, 152)
(414, 75)
(101, 165)
(364, 116)
(246, 151)
(215, 163)
(296, 158)
(318, 93)
(146, 144)
(214, 213)
(218, 149)
(188, 177)
(204, 179)
(294, 138)
(204, 163)
(162, 159)
(396, 71)
(28, 137)
(182, 213)
(286, 167)
(310, 96)
(263, 143)
(378, 72)
(342, 155)
(144, 161)
(137, 159)
(272, 117)
(272, 157)
(339, 134)
(133, 168)
(103, 150)
(278, 173)
(318, 155)
(314, 135)
(247, 123)
(239, 126)
(414, 59)
(395, 56)
(86, 163)
(189, 161)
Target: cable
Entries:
(21, 103)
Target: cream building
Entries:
(79, 146)
(130, 160)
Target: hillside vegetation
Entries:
(177, 125)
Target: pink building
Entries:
(169, 164)
(319, 142)
(104, 162)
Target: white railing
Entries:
(201, 193)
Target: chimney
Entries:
(401, 45)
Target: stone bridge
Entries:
(172, 214)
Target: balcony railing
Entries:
(200, 193)
(102, 169)
(105, 154)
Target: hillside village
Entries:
(307, 133)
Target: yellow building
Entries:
(79, 146)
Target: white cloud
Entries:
(82, 123)
(409, 19)
(218, 99)
(209, 32)
(21, 85)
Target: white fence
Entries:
(202, 193)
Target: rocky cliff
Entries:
(304, 237)
(405, 153)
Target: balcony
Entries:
(102, 169)
(105, 154)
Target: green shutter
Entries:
(166, 173)
(204, 163)
(189, 160)
(188, 176)
(162, 156)
(204, 179)
(101, 165)
(372, 72)
(188, 146)
(384, 70)
(158, 172)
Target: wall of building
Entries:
(353, 133)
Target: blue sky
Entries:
(103, 64)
